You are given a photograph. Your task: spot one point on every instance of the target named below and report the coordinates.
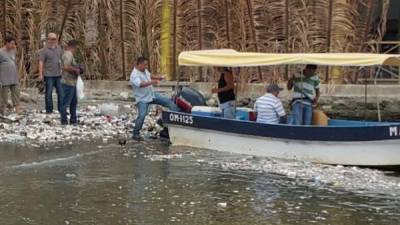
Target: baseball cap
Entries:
(273, 88)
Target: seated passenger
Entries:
(269, 107)
(226, 94)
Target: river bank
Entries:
(35, 127)
(101, 117)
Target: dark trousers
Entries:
(51, 82)
(70, 101)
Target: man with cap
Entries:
(50, 71)
(269, 107)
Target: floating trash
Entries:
(355, 179)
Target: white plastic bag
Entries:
(109, 109)
(80, 88)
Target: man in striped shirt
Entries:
(269, 107)
(305, 95)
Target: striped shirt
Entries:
(305, 88)
(269, 109)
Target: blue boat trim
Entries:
(369, 132)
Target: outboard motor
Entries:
(187, 97)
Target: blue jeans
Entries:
(51, 82)
(70, 101)
(143, 108)
(302, 113)
(228, 110)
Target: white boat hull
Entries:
(365, 153)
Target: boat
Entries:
(339, 142)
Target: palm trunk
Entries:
(121, 5)
(4, 18)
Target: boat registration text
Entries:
(394, 131)
(183, 119)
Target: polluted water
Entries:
(155, 183)
(98, 179)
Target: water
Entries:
(156, 184)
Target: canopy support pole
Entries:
(365, 98)
(236, 87)
(377, 94)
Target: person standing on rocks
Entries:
(50, 71)
(9, 80)
(68, 82)
(142, 82)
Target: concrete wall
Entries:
(256, 90)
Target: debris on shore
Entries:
(96, 122)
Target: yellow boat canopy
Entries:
(232, 58)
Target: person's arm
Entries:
(41, 65)
(317, 95)
(137, 82)
(67, 64)
(156, 77)
(290, 84)
(144, 84)
(230, 84)
(280, 111)
(71, 69)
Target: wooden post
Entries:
(328, 45)
(4, 19)
(200, 30)
(174, 39)
(67, 8)
(121, 11)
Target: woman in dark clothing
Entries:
(226, 93)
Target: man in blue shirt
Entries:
(142, 82)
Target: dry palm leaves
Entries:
(245, 25)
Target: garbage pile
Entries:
(100, 122)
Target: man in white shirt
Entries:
(269, 107)
(142, 82)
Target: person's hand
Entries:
(77, 71)
(315, 103)
(158, 77)
(41, 78)
(214, 90)
(155, 82)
